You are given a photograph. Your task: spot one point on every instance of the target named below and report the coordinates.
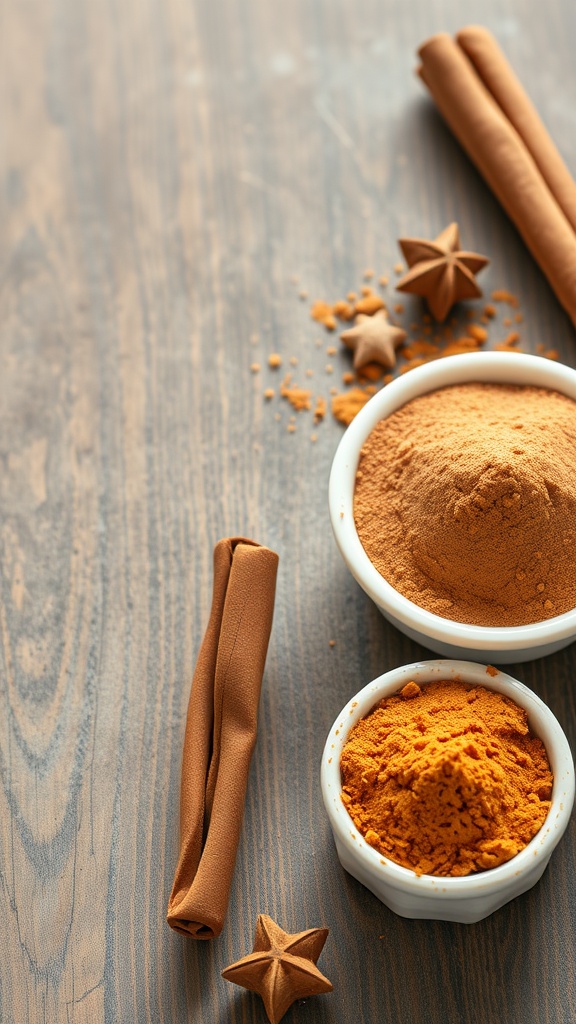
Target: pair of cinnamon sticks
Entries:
(491, 115)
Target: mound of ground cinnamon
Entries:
(446, 779)
(465, 502)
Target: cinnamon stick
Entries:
(493, 69)
(220, 734)
(512, 165)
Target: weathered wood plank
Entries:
(166, 167)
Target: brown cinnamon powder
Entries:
(466, 502)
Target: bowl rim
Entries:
(488, 882)
(484, 367)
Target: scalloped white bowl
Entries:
(473, 897)
(444, 636)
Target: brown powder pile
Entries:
(446, 779)
(466, 503)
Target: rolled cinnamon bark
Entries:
(493, 69)
(501, 156)
(220, 734)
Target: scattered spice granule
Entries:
(512, 339)
(369, 305)
(507, 321)
(551, 353)
(291, 427)
(320, 409)
(368, 274)
(348, 377)
(518, 318)
(480, 333)
(318, 342)
(343, 310)
(383, 281)
(501, 295)
(269, 394)
(255, 368)
(540, 348)
(274, 361)
(466, 343)
(299, 398)
(484, 320)
(303, 295)
(398, 308)
(414, 351)
(370, 371)
(319, 310)
(331, 351)
(366, 290)
(331, 643)
(387, 378)
(346, 406)
(313, 437)
(333, 391)
(491, 671)
(329, 368)
(490, 311)
(352, 296)
(398, 268)
(322, 312)
(419, 348)
(293, 361)
(277, 417)
(459, 347)
(413, 364)
(503, 346)
(423, 347)
(309, 373)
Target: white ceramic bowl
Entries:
(444, 636)
(475, 896)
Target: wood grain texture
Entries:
(165, 167)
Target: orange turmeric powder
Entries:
(446, 779)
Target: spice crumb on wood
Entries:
(424, 345)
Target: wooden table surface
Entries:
(168, 168)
